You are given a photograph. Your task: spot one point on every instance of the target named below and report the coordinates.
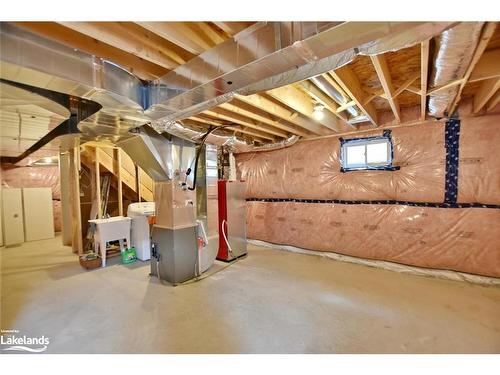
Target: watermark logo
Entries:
(12, 341)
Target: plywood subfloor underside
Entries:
(270, 302)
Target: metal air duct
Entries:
(265, 56)
(454, 50)
(274, 54)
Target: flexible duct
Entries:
(232, 143)
(323, 84)
(454, 50)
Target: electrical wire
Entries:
(203, 139)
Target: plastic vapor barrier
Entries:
(459, 239)
(298, 196)
(479, 169)
(311, 169)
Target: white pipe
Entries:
(225, 238)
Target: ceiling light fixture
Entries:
(318, 112)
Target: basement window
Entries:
(367, 153)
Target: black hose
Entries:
(188, 172)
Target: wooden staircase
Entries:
(95, 161)
(120, 165)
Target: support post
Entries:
(97, 183)
(137, 183)
(77, 241)
(66, 201)
(118, 159)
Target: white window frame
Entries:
(365, 142)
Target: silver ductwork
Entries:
(265, 56)
(151, 151)
(231, 143)
(454, 50)
(35, 61)
(274, 54)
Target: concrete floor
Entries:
(270, 302)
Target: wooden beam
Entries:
(406, 86)
(97, 171)
(66, 194)
(414, 89)
(446, 86)
(232, 28)
(118, 158)
(210, 33)
(224, 114)
(384, 75)
(137, 182)
(51, 30)
(77, 238)
(345, 106)
(485, 92)
(253, 113)
(487, 67)
(494, 101)
(134, 39)
(264, 103)
(346, 78)
(302, 103)
(179, 33)
(323, 98)
(488, 31)
(424, 71)
(336, 86)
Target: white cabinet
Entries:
(13, 225)
(38, 214)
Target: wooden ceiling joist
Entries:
(414, 89)
(224, 114)
(61, 34)
(232, 28)
(336, 86)
(246, 110)
(302, 103)
(384, 75)
(345, 106)
(485, 92)
(351, 85)
(136, 40)
(424, 69)
(323, 98)
(488, 31)
(179, 33)
(266, 104)
(446, 86)
(211, 34)
(406, 86)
